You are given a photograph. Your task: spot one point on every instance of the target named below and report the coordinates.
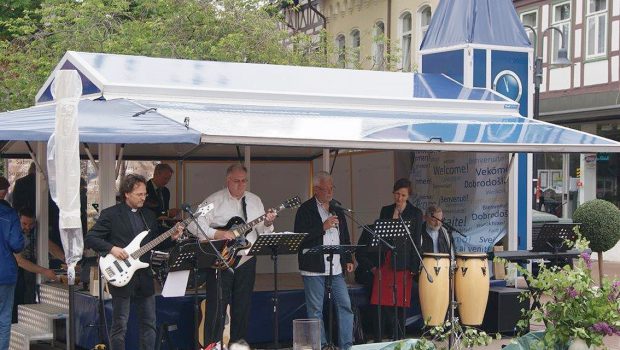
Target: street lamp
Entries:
(562, 60)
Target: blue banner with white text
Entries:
(470, 188)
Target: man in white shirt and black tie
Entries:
(232, 201)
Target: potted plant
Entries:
(600, 224)
(574, 309)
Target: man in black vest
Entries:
(116, 227)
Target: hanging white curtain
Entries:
(63, 161)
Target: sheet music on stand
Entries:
(286, 242)
(390, 230)
(184, 257)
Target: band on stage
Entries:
(387, 266)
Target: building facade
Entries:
(584, 95)
(367, 34)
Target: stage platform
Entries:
(178, 313)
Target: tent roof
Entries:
(305, 108)
(116, 121)
(414, 129)
(487, 22)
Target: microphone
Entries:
(336, 205)
(448, 226)
(186, 208)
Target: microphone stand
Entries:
(218, 278)
(417, 251)
(347, 213)
(449, 229)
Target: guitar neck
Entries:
(245, 228)
(154, 243)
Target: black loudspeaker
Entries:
(503, 310)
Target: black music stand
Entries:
(194, 255)
(553, 236)
(331, 250)
(274, 244)
(391, 230)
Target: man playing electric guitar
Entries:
(230, 202)
(116, 228)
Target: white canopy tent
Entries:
(283, 112)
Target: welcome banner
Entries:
(471, 188)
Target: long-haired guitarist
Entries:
(115, 229)
(233, 202)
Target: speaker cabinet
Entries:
(503, 310)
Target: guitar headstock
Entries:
(204, 209)
(291, 203)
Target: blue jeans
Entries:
(314, 288)
(146, 316)
(6, 310)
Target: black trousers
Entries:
(237, 291)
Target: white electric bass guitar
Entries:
(119, 272)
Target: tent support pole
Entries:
(35, 160)
(512, 157)
(90, 156)
(326, 159)
(193, 150)
(107, 178)
(120, 159)
(247, 162)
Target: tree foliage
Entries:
(35, 38)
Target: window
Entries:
(341, 47)
(424, 20)
(355, 46)
(530, 19)
(561, 20)
(405, 24)
(378, 42)
(596, 28)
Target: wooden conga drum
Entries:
(434, 296)
(472, 287)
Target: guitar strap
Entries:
(245, 209)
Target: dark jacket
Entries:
(113, 228)
(308, 220)
(11, 241)
(158, 205)
(427, 241)
(406, 256)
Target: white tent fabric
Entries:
(260, 104)
(63, 160)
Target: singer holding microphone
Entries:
(407, 262)
(325, 224)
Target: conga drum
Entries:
(434, 296)
(472, 287)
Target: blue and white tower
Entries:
(482, 43)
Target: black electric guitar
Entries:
(241, 229)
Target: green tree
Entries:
(11, 9)
(220, 30)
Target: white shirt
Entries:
(435, 237)
(225, 208)
(331, 237)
